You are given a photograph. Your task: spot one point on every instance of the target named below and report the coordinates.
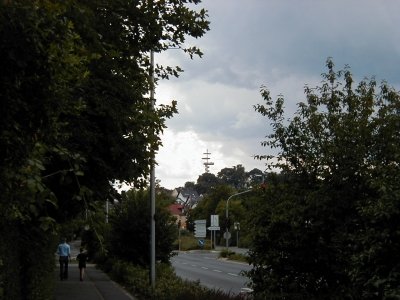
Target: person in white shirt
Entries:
(64, 252)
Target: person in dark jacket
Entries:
(81, 258)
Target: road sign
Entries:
(200, 221)
(214, 228)
(227, 235)
(214, 220)
(200, 230)
(236, 226)
(201, 243)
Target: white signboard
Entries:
(214, 220)
(200, 230)
(214, 228)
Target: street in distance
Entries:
(210, 271)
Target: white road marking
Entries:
(205, 268)
(233, 274)
(217, 271)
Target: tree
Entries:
(190, 185)
(237, 213)
(210, 204)
(235, 176)
(206, 182)
(41, 60)
(130, 229)
(256, 177)
(326, 227)
(75, 114)
(75, 85)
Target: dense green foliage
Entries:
(236, 177)
(327, 226)
(205, 183)
(75, 116)
(130, 230)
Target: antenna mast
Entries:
(207, 163)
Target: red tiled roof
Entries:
(176, 209)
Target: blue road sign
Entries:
(201, 243)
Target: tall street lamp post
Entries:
(227, 215)
(152, 188)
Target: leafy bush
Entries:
(130, 229)
(134, 278)
(226, 253)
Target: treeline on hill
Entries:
(236, 177)
(76, 117)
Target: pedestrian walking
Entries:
(64, 253)
(81, 258)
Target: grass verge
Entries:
(233, 256)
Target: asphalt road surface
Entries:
(211, 271)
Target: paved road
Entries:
(211, 271)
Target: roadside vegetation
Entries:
(327, 226)
(76, 119)
(189, 242)
(231, 255)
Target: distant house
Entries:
(177, 210)
(187, 197)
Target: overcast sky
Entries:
(282, 44)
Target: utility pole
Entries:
(152, 188)
(153, 185)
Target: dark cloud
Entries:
(259, 36)
(279, 43)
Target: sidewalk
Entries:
(96, 285)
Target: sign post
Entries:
(237, 228)
(213, 228)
